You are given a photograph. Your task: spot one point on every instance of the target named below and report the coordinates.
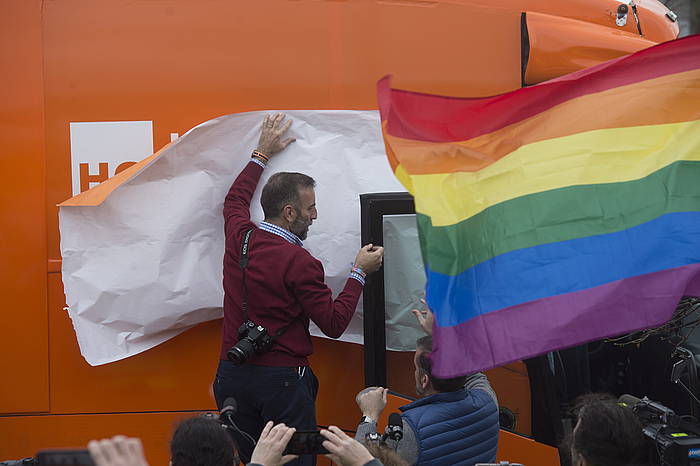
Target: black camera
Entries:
(252, 339)
(673, 440)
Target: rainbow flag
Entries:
(554, 214)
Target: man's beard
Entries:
(299, 227)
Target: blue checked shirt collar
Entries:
(279, 231)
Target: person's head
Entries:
(426, 383)
(384, 453)
(288, 200)
(202, 441)
(607, 434)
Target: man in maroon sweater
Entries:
(284, 289)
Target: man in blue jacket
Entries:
(455, 422)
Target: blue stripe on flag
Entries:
(517, 277)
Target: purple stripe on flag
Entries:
(556, 322)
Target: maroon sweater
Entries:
(285, 284)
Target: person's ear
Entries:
(289, 213)
(424, 381)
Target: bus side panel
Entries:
(24, 343)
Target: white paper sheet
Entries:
(146, 264)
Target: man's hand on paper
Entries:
(271, 137)
(425, 318)
(370, 258)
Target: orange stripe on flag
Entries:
(669, 99)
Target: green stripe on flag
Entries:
(559, 215)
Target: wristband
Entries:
(359, 271)
(257, 153)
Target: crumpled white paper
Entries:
(146, 264)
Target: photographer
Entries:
(278, 288)
(607, 434)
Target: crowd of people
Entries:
(605, 434)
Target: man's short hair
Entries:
(281, 189)
(425, 366)
(608, 434)
(202, 441)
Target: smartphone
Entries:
(64, 457)
(306, 442)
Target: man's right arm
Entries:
(237, 202)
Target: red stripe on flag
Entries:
(434, 118)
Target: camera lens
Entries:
(241, 352)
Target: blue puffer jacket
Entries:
(454, 428)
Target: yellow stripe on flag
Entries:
(601, 156)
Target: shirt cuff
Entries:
(358, 277)
(258, 161)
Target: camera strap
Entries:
(243, 262)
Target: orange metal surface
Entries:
(518, 449)
(655, 25)
(182, 62)
(178, 63)
(24, 342)
(340, 370)
(560, 46)
(512, 387)
(22, 436)
(174, 376)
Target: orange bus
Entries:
(177, 63)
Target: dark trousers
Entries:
(278, 394)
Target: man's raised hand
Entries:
(425, 318)
(273, 129)
(372, 401)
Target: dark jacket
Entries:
(454, 428)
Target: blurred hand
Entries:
(372, 401)
(271, 137)
(271, 444)
(425, 318)
(118, 451)
(344, 450)
(370, 258)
